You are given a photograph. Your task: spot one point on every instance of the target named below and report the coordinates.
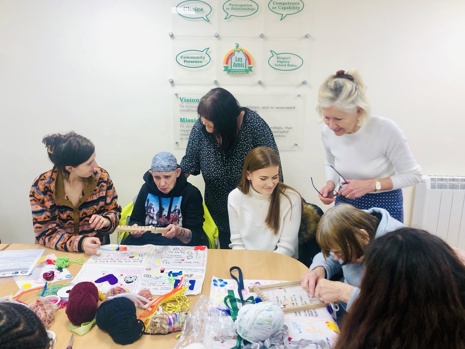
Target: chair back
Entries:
(210, 228)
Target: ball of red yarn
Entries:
(82, 303)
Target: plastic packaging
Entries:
(204, 318)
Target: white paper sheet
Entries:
(18, 262)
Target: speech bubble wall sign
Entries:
(285, 61)
(240, 8)
(285, 8)
(193, 58)
(194, 9)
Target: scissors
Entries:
(70, 343)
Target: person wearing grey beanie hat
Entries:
(21, 328)
(168, 200)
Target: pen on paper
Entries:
(113, 248)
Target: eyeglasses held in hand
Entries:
(334, 191)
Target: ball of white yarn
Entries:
(257, 322)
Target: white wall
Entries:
(100, 67)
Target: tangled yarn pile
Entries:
(45, 309)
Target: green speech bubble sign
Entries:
(285, 61)
(240, 8)
(194, 9)
(285, 8)
(193, 58)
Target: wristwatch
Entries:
(377, 185)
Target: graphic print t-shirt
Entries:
(161, 212)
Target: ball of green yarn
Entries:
(61, 263)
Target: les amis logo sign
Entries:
(238, 61)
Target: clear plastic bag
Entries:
(206, 325)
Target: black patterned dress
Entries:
(222, 174)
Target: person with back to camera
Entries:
(74, 205)
(264, 213)
(166, 186)
(411, 297)
(21, 328)
(368, 155)
(343, 233)
(218, 144)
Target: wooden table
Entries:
(3, 246)
(260, 265)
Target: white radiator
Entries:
(439, 207)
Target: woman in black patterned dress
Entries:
(218, 144)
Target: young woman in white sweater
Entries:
(264, 214)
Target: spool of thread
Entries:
(63, 293)
(82, 303)
(258, 322)
(118, 318)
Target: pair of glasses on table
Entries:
(334, 191)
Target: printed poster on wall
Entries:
(282, 112)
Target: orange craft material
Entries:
(152, 307)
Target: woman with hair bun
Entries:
(74, 205)
(367, 156)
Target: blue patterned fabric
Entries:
(392, 201)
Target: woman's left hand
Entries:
(355, 188)
(98, 222)
(333, 291)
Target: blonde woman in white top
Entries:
(264, 214)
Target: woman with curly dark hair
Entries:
(412, 295)
(74, 205)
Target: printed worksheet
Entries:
(18, 262)
(155, 268)
(314, 326)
